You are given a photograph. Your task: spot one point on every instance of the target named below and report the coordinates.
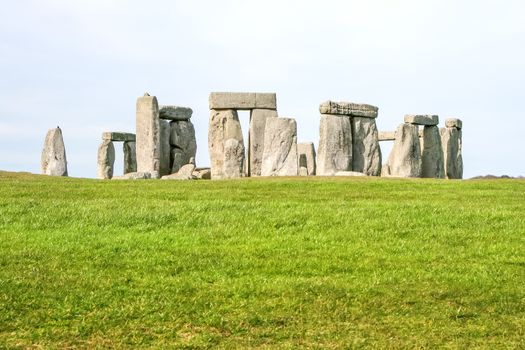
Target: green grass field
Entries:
(261, 263)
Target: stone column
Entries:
(183, 144)
(451, 139)
(53, 160)
(147, 135)
(432, 153)
(225, 144)
(405, 158)
(105, 160)
(280, 148)
(165, 148)
(335, 145)
(130, 157)
(256, 134)
(308, 150)
(366, 153)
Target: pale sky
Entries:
(81, 64)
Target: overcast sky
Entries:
(82, 64)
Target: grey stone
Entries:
(432, 154)
(386, 135)
(224, 125)
(53, 160)
(405, 157)
(258, 119)
(335, 145)
(451, 140)
(183, 142)
(165, 148)
(130, 157)
(175, 113)
(233, 163)
(280, 148)
(308, 150)
(454, 123)
(184, 173)
(148, 135)
(366, 153)
(242, 100)
(385, 170)
(349, 109)
(134, 176)
(118, 136)
(202, 173)
(422, 119)
(303, 171)
(350, 173)
(178, 159)
(105, 160)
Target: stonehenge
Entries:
(451, 139)
(306, 153)
(53, 161)
(280, 148)
(106, 154)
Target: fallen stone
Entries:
(418, 119)
(224, 125)
(451, 140)
(175, 113)
(280, 148)
(134, 176)
(308, 150)
(454, 123)
(242, 100)
(405, 157)
(258, 119)
(148, 134)
(202, 173)
(432, 154)
(105, 160)
(335, 145)
(386, 135)
(130, 157)
(185, 173)
(53, 160)
(366, 153)
(349, 109)
(165, 148)
(118, 136)
(349, 173)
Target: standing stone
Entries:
(165, 149)
(307, 149)
(280, 148)
(130, 157)
(335, 145)
(405, 157)
(183, 143)
(53, 160)
(148, 135)
(258, 119)
(451, 140)
(366, 153)
(224, 126)
(432, 154)
(105, 160)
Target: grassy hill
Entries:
(261, 263)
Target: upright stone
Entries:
(183, 143)
(148, 135)
(366, 153)
(335, 145)
(130, 157)
(53, 160)
(451, 139)
(105, 160)
(224, 126)
(280, 148)
(405, 157)
(432, 154)
(165, 148)
(308, 150)
(258, 119)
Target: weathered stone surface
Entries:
(202, 173)
(118, 136)
(184, 173)
(258, 119)
(134, 176)
(224, 125)
(175, 113)
(308, 150)
(386, 135)
(303, 171)
(105, 160)
(366, 153)
(453, 123)
(451, 140)
(165, 148)
(147, 134)
(183, 142)
(130, 157)
(422, 119)
(280, 148)
(348, 108)
(335, 145)
(405, 158)
(53, 160)
(242, 100)
(385, 170)
(432, 154)
(350, 173)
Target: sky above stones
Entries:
(82, 64)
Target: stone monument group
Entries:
(164, 144)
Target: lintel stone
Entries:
(454, 123)
(242, 100)
(175, 113)
(118, 136)
(349, 109)
(420, 119)
(387, 136)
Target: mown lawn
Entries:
(261, 263)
